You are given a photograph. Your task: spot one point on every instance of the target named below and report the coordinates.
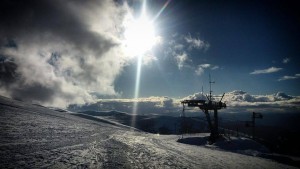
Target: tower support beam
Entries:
(216, 123)
(209, 121)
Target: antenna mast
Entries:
(210, 91)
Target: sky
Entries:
(74, 52)
(250, 46)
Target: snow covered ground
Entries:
(32, 136)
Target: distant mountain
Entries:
(104, 113)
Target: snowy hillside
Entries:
(32, 136)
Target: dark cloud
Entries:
(34, 92)
(49, 19)
(8, 73)
(12, 81)
(167, 103)
(67, 49)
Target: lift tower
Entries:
(205, 106)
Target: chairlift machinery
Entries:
(206, 106)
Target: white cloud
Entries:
(278, 102)
(199, 71)
(206, 65)
(181, 60)
(149, 59)
(296, 76)
(242, 96)
(215, 67)
(179, 47)
(240, 101)
(286, 60)
(287, 78)
(265, 71)
(196, 43)
(201, 68)
(196, 96)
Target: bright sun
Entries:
(139, 35)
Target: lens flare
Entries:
(139, 34)
(139, 38)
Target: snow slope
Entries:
(33, 136)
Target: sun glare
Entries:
(139, 36)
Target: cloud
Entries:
(266, 71)
(237, 101)
(215, 67)
(242, 96)
(296, 76)
(181, 60)
(179, 47)
(196, 43)
(195, 96)
(286, 60)
(199, 71)
(59, 52)
(240, 101)
(205, 65)
(150, 105)
(278, 102)
(201, 68)
(149, 59)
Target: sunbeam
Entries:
(139, 39)
(136, 90)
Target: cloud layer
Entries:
(59, 52)
(279, 102)
(150, 105)
(237, 102)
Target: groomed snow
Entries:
(33, 136)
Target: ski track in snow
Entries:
(32, 136)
